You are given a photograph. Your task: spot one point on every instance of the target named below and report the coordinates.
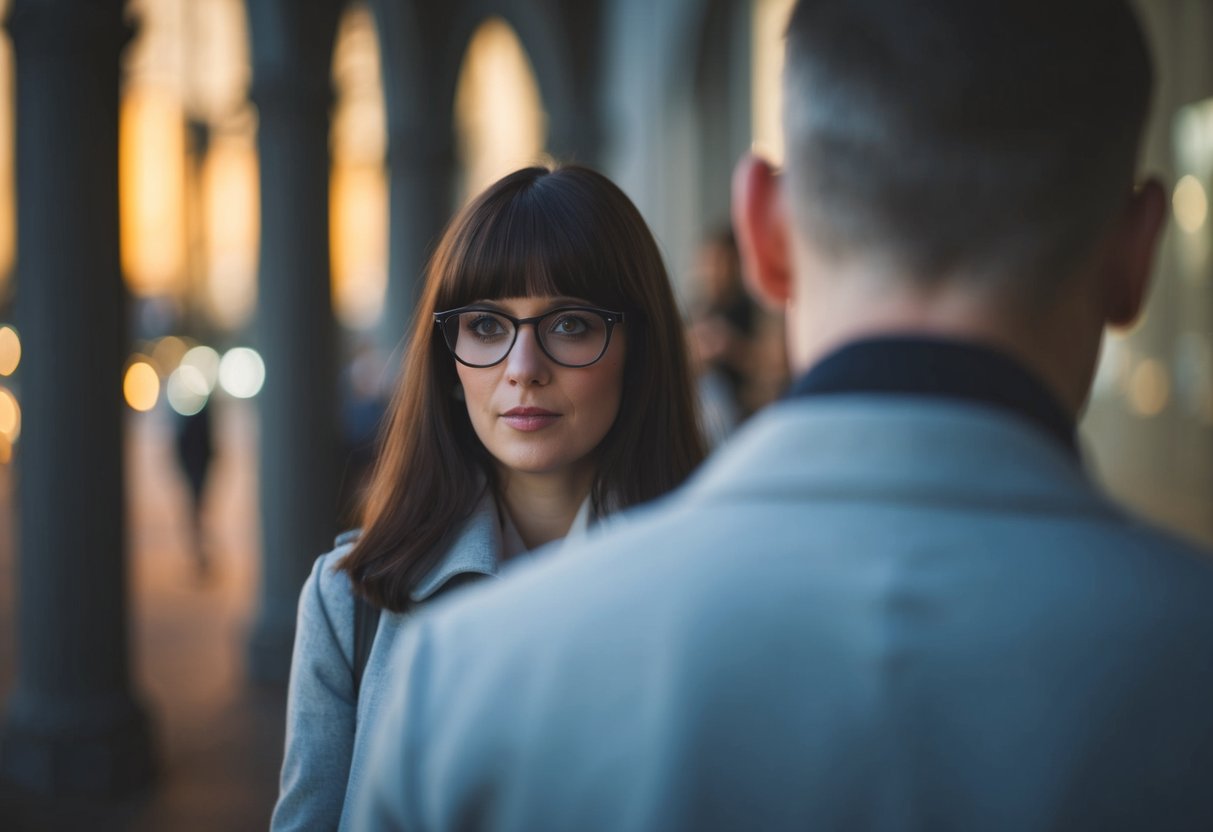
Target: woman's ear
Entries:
(1131, 265)
(761, 223)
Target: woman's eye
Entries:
(486, 326)
(569, 325)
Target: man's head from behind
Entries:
(988, 144)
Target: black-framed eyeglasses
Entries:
(572, 336)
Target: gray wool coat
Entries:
(325, 742)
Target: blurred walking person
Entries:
(194, 445)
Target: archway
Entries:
(500, 123)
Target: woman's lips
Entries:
(529, 418)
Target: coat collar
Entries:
(879, 446)
(476, 550)
(915, 365)
(485, 540)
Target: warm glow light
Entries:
(10, 416)
(187, 390)
(1191, 204)
(1149, 388)
(770, 20)
(359, 131)
(151, 164)
(189, 210)
(217, 76)
(242, 372)
(358, 189)
(230, 198)
(141, 386)
(10, 350)
(499, 117)
(358, 229)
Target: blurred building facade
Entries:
(273, 173)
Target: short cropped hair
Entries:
(992, 137)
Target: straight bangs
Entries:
(531, 241)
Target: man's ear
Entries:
(1129, 277)
(762, 225)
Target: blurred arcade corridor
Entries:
(272, 173)
(218, 738)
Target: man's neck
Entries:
(839, 308)
(925, 367)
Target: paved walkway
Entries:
(219, 739)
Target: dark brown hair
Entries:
(568, 231)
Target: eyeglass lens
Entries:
(572, 337)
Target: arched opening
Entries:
(7, 212)
(10, 342)
(358, 189)
(152, 157)
(188, 170)
(500, 122)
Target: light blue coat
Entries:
(325, 740)
(866, 613)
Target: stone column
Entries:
(73, 725)
(421, 162)
(292, 50)
(419, 89)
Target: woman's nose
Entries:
(526, 363)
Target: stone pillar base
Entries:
(112, 763)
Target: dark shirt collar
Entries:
(921, 366)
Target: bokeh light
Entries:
(242, 372)
(1149, 388)
(1191, 204)
(10, 416)
(206, 362)
(10, 350)
(187, 390)
(141, 385)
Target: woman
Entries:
(546, 385)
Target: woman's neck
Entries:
(543, 506)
